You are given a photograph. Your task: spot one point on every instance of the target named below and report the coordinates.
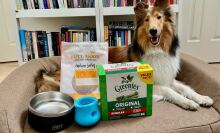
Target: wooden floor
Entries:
(7, 68)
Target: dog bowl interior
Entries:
(51, 104)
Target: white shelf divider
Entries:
(42, 13)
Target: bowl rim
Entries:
(37, 113)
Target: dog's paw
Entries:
(205, 101)
(190, 105)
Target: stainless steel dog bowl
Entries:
(50, 111)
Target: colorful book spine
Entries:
(23, 44)
(46, 49)
(28, 47)
(34, 40)
(122, 38)
(75, 3)
(50, 47)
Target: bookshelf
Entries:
(98, 12)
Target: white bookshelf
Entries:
(99, 12)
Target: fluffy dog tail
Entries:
(118, 54)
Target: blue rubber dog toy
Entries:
(86, 111)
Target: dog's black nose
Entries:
(153, 32)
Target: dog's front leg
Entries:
(191, 94)
(170, 95)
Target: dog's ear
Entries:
(165, 6)
(162, 4)
(139, 10)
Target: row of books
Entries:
(37, 44)
(121, 3)
(78, 34)
(119, 33)
(53, 4)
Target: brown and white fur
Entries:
(156, 43)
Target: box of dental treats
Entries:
(126, 90)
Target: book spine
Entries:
(60, 3)
(41, 6)
(118, 3)
(46, 49)
(23, 44)
(34, 40)
(111, 3)
(32, 4)
(87, 3)
(66, 36)
(72, 3)
(40, 44)
(48, 4)
(45, 4)
(36, 4)
(59, 43)
(54, 42)
(25, 4)
(78, 1)
(31, 44)
(104, 3)
(28, 46)
(122, 3)
(65, 3)
(29, 4)
(18, 5)
(70, 36)
(122, 38)
(50, 47)
(75, 3)
(74, 37)
(129, 37)
(126, 37)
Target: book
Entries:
(41, 4)
(31, 44)
(51, 4)
(34, 40)
(40, 44)
(50, 47)
(36, 4)
(45, 4)
(28, 47)
(23, 44)
(75, 3)
(55, 4)
(25, 4)
(18, 5)
(46, 49)
(129, 37)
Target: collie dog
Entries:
(156, 43)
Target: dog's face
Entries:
(154, 25)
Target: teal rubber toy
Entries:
(86, 111)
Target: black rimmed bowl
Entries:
(50, 111)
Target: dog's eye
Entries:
(158, 17)
(147, 19)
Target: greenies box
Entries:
(125, 90)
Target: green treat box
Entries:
(126, 90)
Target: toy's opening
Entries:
(86, 101)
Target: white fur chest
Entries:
(165, 66)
